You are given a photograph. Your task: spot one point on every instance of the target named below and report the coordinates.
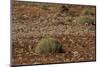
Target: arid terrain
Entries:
(74, 26)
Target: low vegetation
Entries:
(71, 29)
(85, 20)
(48, 45)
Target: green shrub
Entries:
(88, 12)
(48, 45)
(45, 7)
(85, 20)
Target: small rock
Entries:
(75, 53)
(36, 63)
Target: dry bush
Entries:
(48, 45)
(88, 11)
(85, 20)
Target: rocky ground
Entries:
(33, 21)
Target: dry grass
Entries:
(31, 22)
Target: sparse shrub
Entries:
(45, 7)
(87, 12)
(85, 20)
(48, 45)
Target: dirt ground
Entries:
(33, 21)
